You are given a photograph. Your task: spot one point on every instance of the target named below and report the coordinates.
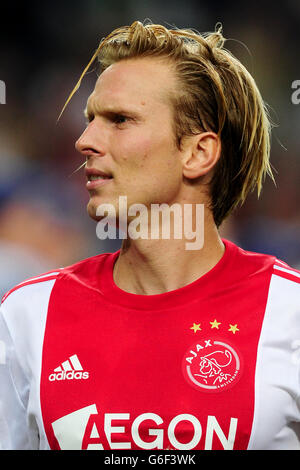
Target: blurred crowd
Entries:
(43, 50)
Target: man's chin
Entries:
(98, 213)
(92, 211)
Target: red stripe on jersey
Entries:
(287, 275)
(172, 371)
(286, 266)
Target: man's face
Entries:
(130, 136)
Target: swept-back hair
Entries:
(215, 93)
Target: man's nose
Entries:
(89, 143)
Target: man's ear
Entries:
(201, 154)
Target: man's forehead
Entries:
(138, 79)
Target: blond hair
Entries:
(215, 93)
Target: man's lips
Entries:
(96, 178)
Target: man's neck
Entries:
(151, 267)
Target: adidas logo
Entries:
(69, 370)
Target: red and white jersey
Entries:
(212, 365)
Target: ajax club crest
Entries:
(211, 365)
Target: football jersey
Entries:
(212, 365)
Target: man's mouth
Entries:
(96, 177)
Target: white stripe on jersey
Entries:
(282, 262)
(42, 276)
(276, 376)
(289, 271)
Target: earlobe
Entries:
(201, 155)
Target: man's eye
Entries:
(120, 119)
(90, 118)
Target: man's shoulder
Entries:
(21, 288)
(45, 281)
(267, 263)
(285, 271)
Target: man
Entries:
(158, 346)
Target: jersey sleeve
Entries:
(15, 434)
(23, 314)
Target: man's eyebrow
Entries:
(91, 111)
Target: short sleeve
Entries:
(14, 431)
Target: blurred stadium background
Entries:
(43, 49)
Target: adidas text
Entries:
(70, 375)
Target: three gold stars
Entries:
(215, 324)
